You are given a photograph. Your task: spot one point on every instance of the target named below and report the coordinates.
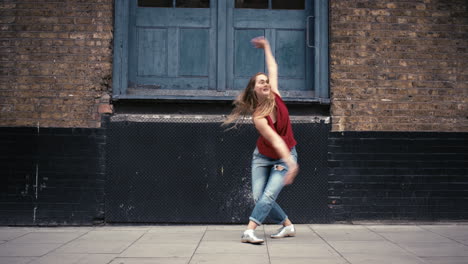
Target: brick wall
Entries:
(56, 62)
(399, 65)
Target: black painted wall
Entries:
(52, 176)
(192, 171)
(398, 176)
(58, 176)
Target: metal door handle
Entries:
(307, 32)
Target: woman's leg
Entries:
(267, 199)
(252, 225)
(277, 213)
(288, 228)
(260, 174)
(258, 185)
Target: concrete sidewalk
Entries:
(317, 244)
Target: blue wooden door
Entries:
(200, 49)
(288, 25)
(172, 47)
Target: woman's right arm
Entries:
(272, 66)
(261, 124)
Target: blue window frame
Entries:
(193, 50)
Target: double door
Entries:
(201, 49)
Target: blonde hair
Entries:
(247, 104)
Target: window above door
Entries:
(270, 4)
(175, 3)
(200, 50)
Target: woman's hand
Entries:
(293, 169)
(260, 42)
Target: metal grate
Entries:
(188, 169)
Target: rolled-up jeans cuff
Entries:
(255, 220)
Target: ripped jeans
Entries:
(267, 182)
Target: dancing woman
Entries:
(274, 162)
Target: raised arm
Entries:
(262, 43)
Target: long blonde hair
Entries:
(247, 104)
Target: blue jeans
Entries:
(267, 182)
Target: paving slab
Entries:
(123, 228)
(26, 250)
(300, 238)
(230, 247)
(15, 260)
(59, 229)
(317, 227)
(226, 235)
(457, 232)
(188, 244)
(349, 235)
(94, 247)
(231, 227)
(385, 258)
(445, 260)
(74, 259)
(111, 235)
(437, 249)
(150, 261)
(301, 250)
(393, 228)
(230, 259)
(160, 250)
(363, 247)
(415, 236)
(308, 260)
(177, 229)
(7, 234)
(47, 237)
(173, 238)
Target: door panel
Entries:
(286, 31)
(247, 60)
(291, 53)
(267, 18)
(194, 51)
(173, 17)
(173, 49)
(275, 4)
(152, 52)
(168, 85)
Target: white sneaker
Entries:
(285, 231)
(249, 237)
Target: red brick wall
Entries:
(395, 65)
(56, 62)
(399, 65)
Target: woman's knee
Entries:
(268, 197)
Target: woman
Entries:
(274, 162)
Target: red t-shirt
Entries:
(282, 127)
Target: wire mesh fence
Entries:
(189, 169)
